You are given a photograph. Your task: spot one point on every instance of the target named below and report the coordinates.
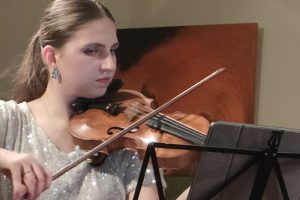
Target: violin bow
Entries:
(134, 125)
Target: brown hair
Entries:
(61, 19)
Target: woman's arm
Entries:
(147, 193)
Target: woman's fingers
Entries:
(30, 179)
(31, 183)
(19, 189)
(37, 179)
(21, 193)
(43, 177)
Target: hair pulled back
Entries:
(60, 20)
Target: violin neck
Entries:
(169, 125)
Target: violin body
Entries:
(120, 110)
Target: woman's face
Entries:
(87, 61)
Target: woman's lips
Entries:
(105, 80)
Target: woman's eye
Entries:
(90, 51)
(113, 51)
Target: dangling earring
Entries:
(56, 74)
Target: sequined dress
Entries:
(114, 179)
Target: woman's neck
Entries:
(52, 112)
(57, 102)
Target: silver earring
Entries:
(56, 74)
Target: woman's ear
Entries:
(48, 54)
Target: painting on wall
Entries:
(164, 61)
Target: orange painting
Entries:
(162, 62)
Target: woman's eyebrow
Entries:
(116, 45)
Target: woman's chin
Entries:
(97, 94)
(92, 94)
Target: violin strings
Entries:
(143, 110)
(137, 109)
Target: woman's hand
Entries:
(30, 178)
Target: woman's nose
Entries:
(109, 63)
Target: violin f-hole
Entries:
(110, 130)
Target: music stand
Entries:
(238, 163)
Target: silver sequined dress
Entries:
(115, 178)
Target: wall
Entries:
(18, 21)
(277, 93)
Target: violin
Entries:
(106, 117)
(114, 140)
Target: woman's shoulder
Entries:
(11, 115)
(11, 107)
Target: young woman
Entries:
(71, 55)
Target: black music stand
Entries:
(238, 163)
